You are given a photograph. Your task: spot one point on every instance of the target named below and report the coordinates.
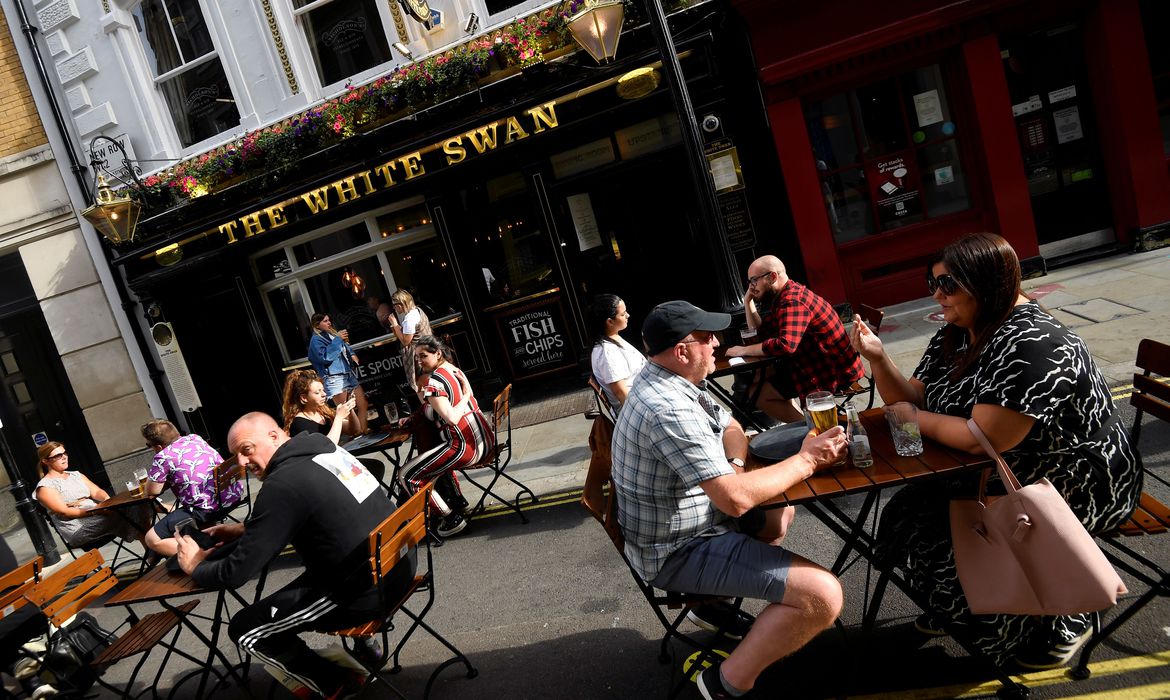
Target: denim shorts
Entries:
(731, 565)
(337, 383)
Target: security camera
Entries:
(711, 123)
(472, 23)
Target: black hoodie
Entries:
(319, 498)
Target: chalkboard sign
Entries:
(380, 372)
(536, 337)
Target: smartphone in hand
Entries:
(189, 529)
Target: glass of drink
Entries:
(747, 335)
(903, 420)
(390, 413)
(822, 410)
(132, 487)
(140, 475)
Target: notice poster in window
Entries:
(896, 192)
(928, 108)
(584, 221)
(1068, 124)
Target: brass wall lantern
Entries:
(597, 26)
(113, 214)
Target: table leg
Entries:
(742, 415)
(213, 651)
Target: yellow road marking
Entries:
(560, 499)
(1034, 680)
(1157, 691)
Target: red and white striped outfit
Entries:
(463, 444)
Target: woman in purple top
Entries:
(185, 463)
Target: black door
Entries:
(36, 401)
(1057, 130)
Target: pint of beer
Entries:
(822, 410)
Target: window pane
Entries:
(201, 102)
(331, 244)
(190, 29)
(346, 38)
(403, 220)
(340, 294)
(422, 269)
(944, 184)
(847, 202)
(926, 105)
(291, 319)
(830, 128)
(880, 113)
(272, 266)
(494, 6)
(896, 190)
(154, 30)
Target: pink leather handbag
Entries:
(1026, 552)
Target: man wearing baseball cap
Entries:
(678, 472)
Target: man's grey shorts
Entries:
(730, 565)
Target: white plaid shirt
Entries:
(667, 441)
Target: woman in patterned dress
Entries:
(465, 435)
(1037, 394)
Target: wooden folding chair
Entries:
(1150, 395)
(121, 546)
(19, 627)
(873, 318)
(604, 407)
(392, 540)
(600, 500)
(59, 602)
(498, 459)
(227, 474)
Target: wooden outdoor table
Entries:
(163, 586)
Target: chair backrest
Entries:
(502, 415)
(598, 495)
(603, 404)
(1150, 394)
(59, 603)
(871, 315)
(226, 475)
(398, 534)
(15, 583)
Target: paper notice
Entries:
(723, 172)
(1062, 94)
(584, 221)
(1068, 124)
(928, 107)
(1031, 105)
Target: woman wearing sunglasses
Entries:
(1035, 391)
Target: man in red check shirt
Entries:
(795, 323)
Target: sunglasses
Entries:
(949, 285)
(54, 458)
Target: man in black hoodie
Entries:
(320, 499)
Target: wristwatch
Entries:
(736, 461)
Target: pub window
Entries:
(887, 154)
(344, 271)
(503, 10)
(1155, 20)
(345, 37)
(187, 69)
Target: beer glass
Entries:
(132, 487)
(822, 410)
(140, 475)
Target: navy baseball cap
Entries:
(671, 321)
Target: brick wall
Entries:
(20, 125)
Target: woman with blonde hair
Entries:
(305, 407)
(408, 322)
(67, 495)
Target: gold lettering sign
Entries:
(449, 151)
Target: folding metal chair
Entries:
(603, 405)
(227, 474)
(498, 459)
(391, 541)
(599, 499)
(122, 546)
(1150, 395)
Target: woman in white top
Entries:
(407, 322)
(615, 362)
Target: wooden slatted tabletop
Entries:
(889, 468)
(393, 438)
(122, 500)
(156, 584)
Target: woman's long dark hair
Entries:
(434, 345)
(296, 385)
(603, 308)
(987, 267)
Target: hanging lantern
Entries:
(115, 216)
(597, 26)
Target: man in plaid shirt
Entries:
(802, 327)
(678, 474)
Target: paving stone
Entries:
(1100, 310)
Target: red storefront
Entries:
(899, 126)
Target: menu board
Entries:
(536, 337)
(380, 372)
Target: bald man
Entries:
(319, 498)
(794, 323)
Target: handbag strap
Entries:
(1005, 473)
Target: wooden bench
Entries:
(1151, 395)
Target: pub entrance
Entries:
(1059, 140)
(37, 403)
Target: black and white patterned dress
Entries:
(1034, 365)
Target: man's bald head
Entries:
(761, 269)
(253, 439)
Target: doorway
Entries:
(37, 403)
(1057, 130)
